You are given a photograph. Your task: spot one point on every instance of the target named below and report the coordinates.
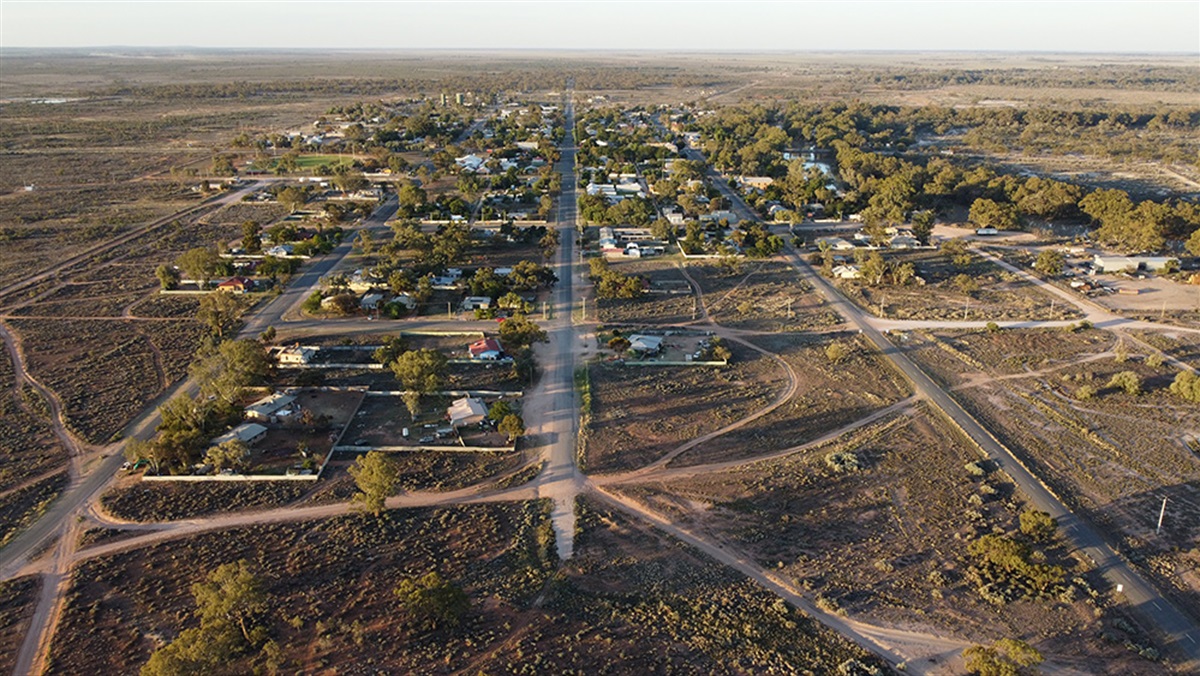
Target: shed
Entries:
(645, 344)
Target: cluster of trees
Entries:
(887, 188)
(232, 602)
(612, 284)
(1005, 657)
(1005, 566)
(222, 371)
(636, 211)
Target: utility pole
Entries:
(1161, 513)
(449, 315)
(545, 311)
(789, 306)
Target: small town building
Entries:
(272, 407)
(476, 303)
(1133, 263)
(296, 354)
(487, 349)
(644, 345)
(466, 411)
(236, 285)
(370, 301)
(847, 272)
(247, 433)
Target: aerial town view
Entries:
(505, 337)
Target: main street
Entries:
(553, 402)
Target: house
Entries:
(273, 406)
(759, 183)
(405, 300)
(296, 354)
(847, 272)
(1123, 263)
(487, 349)
(476, 303)
(279, 251)
(466, 411)
(834, 243)
(247, 433)
(645, 345)
(371, 301)
(236, 285)
(904, 242)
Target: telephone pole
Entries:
(1161, 513)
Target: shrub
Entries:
(1038, 525)
(1187, 385)
(843, 461)
(1085, 392)
(1127, 380)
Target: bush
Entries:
(843, 461)
(1085, 392)
(1187, 385)
(1127, 380)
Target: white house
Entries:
(296, 354)
(834, 243)
(247, 433)
(847, 272)
(270, 406)
(476, 303)
(405, 300)
(370, 301)
(466, 411)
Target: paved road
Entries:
(287, 303)
(1180, 632)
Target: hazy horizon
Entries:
(1003, 26)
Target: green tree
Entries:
(231, 594)
(499, 409)
(390, 351)
(200, 263)
(168, 277)
(219, 310)
(1038, 525)
(518, 333)
(922, 226)
(512, 425)
(292, 198)
(375, 475)
(251, 237)
(432, 601)
(227, 454)
(619, 344)
(421, 372)
(991, 214)
(1050, 262)
(1193, 243)
(224, 371)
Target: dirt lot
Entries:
(640, 413)
(18, 597)
(381, 420)
(651, 308)
(887, 542)
(121, 607)
(133, 500)
(829, 396)
(1000, 295)
(958, 357)
(1112, 455)
(760, 296)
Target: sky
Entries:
(1141, 26)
